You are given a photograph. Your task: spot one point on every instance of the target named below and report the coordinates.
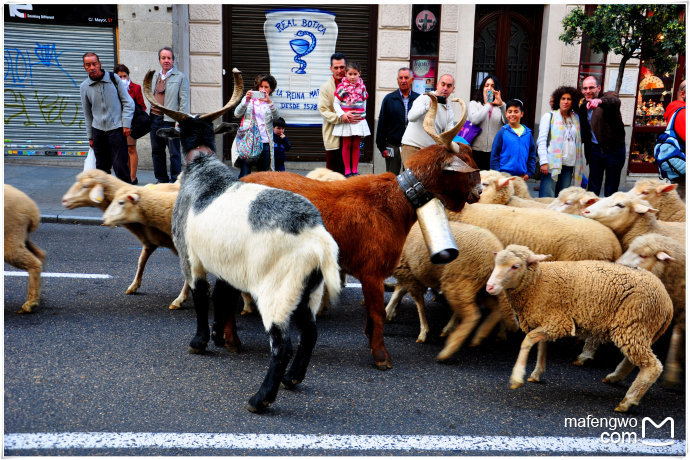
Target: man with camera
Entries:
(393, 120)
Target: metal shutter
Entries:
(244, 47)
(43, 71)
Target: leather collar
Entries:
(415, 192)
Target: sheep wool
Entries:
(21, 218)
(572, 200)
(502, 188)
(628, 307)
(564, 236)
(661, 195)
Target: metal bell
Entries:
(438, 237)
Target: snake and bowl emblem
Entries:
(302, 47)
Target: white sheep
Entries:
(564, 236)
(21, 218)
(630, 217)
(267, 242)
(501, 188)
(461, 281)
(572, 200)
(324, 175)
(664, 257)
(96, 188)
(593, 298)
(662, 196)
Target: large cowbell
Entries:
(438, 237)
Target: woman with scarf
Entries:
(135, 93)
(351, 96)
(559, 145)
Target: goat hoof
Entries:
(218, 339)
(289, 384)
(233, 348)
(257, 407)
(197, 345)
(172, 306)
(383, 365)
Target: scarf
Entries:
(554, 151)
(165, 75)
(351, 93)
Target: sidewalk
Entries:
(45, 180)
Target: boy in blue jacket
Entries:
(513, 150)
(281, 144)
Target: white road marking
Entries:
(62, 275)
(354, 285)
(330, 442)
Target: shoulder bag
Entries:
(248, 141)
(141, 123)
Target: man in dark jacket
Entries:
(603, 135)
(393, 120)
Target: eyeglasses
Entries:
(589, 87)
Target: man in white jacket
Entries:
(415, 138)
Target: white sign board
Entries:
(300, 44)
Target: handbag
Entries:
(141, 122)
(248, 141)
(469, 131)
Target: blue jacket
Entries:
(512, 154)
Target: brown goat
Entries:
(369, 216)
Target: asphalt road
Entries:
(94, 360)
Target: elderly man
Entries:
(171, 89)
(334, 158)
(603, 135)
(393, 120)
(415, 138)
(108, 111)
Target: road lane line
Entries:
(62, 275)
(330, 442)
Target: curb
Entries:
(82, 220)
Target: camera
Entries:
(258, 95)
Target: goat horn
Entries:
(429, 122)
(448, 136)
(234, 100)
(174, 114)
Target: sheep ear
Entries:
(591, 201)
(458, 165)
(665, 188)
(643, 209)
(96, 194)
(504, 181)
(661, 255)
(534, 258)
(133, 197)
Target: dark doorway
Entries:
(507, 40)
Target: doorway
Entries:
(507, 41)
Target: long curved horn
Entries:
(174, 114)
(234, 100)
(448, 136)
(429, 122)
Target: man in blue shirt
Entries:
(393, 120)
(108, 111)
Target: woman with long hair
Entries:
(487, 111)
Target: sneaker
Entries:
(135, 181)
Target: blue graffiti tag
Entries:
(19, 65)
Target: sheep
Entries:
(325, 175)
(369, 216)
(460, 280)
(663, 196)
(144, 205)
(631, 217)
(563, 236)
(603, 299)
(97, 188)
(664, 257)
(21, 218)
(269, 243)
(499, 188)
(572, 200)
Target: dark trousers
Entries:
(158, 144)
(334, 161)
(110, 149)
(610, 163)
(483, 159)
(262, 164)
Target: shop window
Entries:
(426, 23)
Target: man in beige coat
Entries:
(334, 158)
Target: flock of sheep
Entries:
(605, 270)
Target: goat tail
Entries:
(329, 265)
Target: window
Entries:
(592, 63)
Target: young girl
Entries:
(350, 97)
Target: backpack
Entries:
(669, 152)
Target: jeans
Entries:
(110, 150)
(608, 162)
(262, 164)
(158, 144)
(548, 187)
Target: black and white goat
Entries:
(267, 242)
